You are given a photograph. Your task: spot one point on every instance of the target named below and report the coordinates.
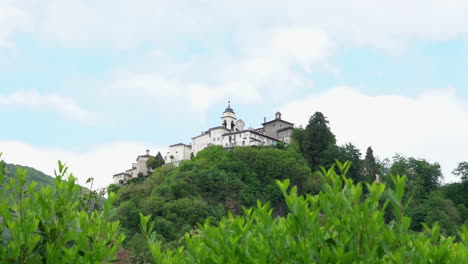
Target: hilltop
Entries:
(32, 174)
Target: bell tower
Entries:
(278, 115)
(228, 119)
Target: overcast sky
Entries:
(95, 83)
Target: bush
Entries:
(46, 225)
(339, 225)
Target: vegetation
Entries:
(155, 162)
(49, 226)
(34, 175)
(317, 138)
(213, 183)
(340, 215)
(339, 225)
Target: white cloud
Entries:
(120, 23)
(12, 19)
(100, 162)
(183, 96)
(291, 45)
(62, 104)
(266, 65)
(433, 125)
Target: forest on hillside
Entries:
(309, 201)
(218, 181)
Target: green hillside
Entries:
(32, 174)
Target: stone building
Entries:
(278, 128)
(138, 169)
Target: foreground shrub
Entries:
(339, 225)
(47, 226)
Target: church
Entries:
(231, 133)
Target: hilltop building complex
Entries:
(139, 168)
(230, 133)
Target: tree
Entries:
(113, 188)
(297, 137)
(343, 224)
(423, 177)
(155, 162)
(369, 166)
(462, 171)
(317, 138)
(214, 182)
(348, 152)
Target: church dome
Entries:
(229, 109)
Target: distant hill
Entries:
(33, 175)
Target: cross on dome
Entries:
(229, 109)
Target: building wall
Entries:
(180, 152)
(271, 129)
(141, 166)
(132, 172)
(213, 137)
(237, 139)
(246, 138)
(121, 177)
(285, 135)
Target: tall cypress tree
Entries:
(317, 138)
(370, 168)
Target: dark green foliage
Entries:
(33, 175)
(297, 139)
(339, 225)
(462, 171)
(317, 138)
(342, 154)
(138, 180)
(155, 162)
(429, 202)
(436, 208)
(369, 166)
(113, 188)
(423, 177)
(214, 182)
(458, 193)
(280, 145)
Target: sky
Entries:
(96, 83)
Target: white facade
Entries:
(247, 138)
(121, 178)
(141, 168)
(133, 171)
(231, 133)
(178, 152)
(214, 136)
